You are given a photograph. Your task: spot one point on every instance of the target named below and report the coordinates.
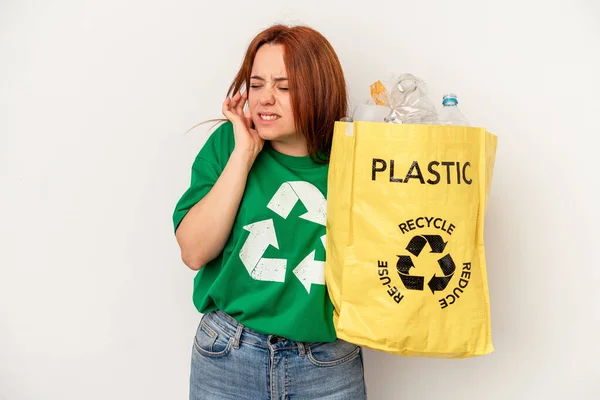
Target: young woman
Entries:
(253, 224)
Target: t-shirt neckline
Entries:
(290, 161)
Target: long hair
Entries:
(315, 78)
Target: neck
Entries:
(293, 147)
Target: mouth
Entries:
(268, 117)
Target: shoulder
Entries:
(222, 136)
(219, 145)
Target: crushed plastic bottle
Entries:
(451, 114)
(408, 101)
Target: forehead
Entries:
(269, 62)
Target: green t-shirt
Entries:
(270, 274)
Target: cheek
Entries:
(286, 105)
(252, 103)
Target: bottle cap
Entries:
(450, 99)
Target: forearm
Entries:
(205, 229)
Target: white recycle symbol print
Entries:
(262, 235)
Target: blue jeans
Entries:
(230, 361)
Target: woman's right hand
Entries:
(247, 140)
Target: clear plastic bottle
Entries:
(451, 114)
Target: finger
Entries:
(241, 103)
(248, 117)
(226, 109)
(235, 100)
(226, 103)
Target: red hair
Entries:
(315, 78)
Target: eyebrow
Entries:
(260, 78)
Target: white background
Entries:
(95, 98)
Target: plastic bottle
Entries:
(451, 114)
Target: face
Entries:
(269, 100)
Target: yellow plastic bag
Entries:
(405, 266)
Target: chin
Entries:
(270, 133)
(267, 134)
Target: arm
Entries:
(204, 230)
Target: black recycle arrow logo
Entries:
(405, 263)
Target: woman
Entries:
(253, 224)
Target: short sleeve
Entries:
(206, 169)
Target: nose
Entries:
(266, 96)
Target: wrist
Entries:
(243, 158)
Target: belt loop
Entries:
(238, 336)
(301, 348)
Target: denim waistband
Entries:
(242, 334)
